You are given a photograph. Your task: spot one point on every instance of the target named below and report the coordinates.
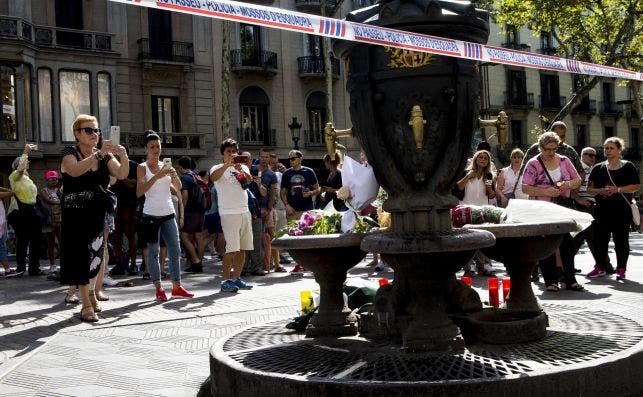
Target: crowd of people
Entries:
(100, 198)
(552, 170)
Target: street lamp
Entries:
(295, 131)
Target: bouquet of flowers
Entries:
(316, 222)
(473, 214)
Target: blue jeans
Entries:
(170, 232)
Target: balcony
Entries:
(357, 4)
(175, 144)
(516, 46)
(47, 36)
(255, 137)
(313, 67)
(552, 103)
(548, 50)
(314, 6)
(314, 139)
(173, 51)
(627, 109)
(525, 101)
(587, 107)
(262, 62)
(608, 109)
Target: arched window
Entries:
(8, 129)
(253, 109)
(317, 118)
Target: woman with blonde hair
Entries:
(508, 185)
(85, 201)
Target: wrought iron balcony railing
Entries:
(520, 101)
(256, 137)
(173, 51)
(548, 50)
(608, 108)
(257, 61)
(313, 66)
(552, 102)
(174, 144)
(586, 107)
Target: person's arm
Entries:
(462, 183)
(5, 193)
(180, 206)
(500, 185)
(272, 195)
(119, 169)
(45, 197)
(312, 192)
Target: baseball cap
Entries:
(51, 174)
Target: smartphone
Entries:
(167, 162)
(115, 135)
(241, 159)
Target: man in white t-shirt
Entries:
(231, 180)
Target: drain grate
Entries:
(576, 336)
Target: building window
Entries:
(160, 31)
(75, 99)
(45, 106)
(549, 91)
(250, 36)
(581, 136)
(26, 116)
(313, 45)
(516, 133)
(69, 15)
(609, 131)
(634, 141)
(546, 41)
(608, 98)
(8, 129)
(511, 36)
(165, 114)
(103, 83)
(517, 87)
(254, 106)
(317, 112)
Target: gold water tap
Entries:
(501, 124)
(417, 124)
(331, 135)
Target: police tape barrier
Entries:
(345, 30)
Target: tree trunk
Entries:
(225, 80)
(327, 69)
(636, 101)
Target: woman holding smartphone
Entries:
(154, 180)
(85, 201)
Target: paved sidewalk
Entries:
(144, 348)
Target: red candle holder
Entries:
(494, 298)
(466, 280)
(506, 287)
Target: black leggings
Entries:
(567, 253)
(613, 222)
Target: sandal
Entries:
(146, 276)
(575, 287)
(102, 297)
(71, 299)
(88, 315)
(95, 305)
(280, 269)
(553, 288)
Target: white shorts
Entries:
(237, 231)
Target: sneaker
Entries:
(13, 273)
(597, 272)
(194, 268)
(620, 274)
(229, 286)
(298, 269)
(180, 292)
(160, 295)
(109, 282)
(242, 284)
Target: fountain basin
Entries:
(329, 257)
(501, 326)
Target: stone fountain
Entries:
(414, 115)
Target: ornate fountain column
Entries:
(414, 115)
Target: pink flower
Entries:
(295, 232)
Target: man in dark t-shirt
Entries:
(298, 186)
(193, 215)
(125, 222)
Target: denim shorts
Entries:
(3, 247)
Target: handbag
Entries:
(636, 215)
(563, 201)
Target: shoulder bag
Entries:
(566, 202)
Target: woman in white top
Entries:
(154, 180)
(508, 184)
(477, 183)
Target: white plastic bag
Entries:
(537, 211)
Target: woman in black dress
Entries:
(332, 184)
(613, 182)
(85, 173)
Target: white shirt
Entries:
(510, 182)
(475, 192)
(158, 198)
(232, 198)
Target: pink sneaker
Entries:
(597, 272)
(620, 274)
(160, 295)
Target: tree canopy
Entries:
(606, 32)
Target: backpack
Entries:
(202, 194)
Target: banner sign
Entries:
(272, 17)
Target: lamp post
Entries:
(295, 132)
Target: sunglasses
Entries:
(292, 158)
(90, 130)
